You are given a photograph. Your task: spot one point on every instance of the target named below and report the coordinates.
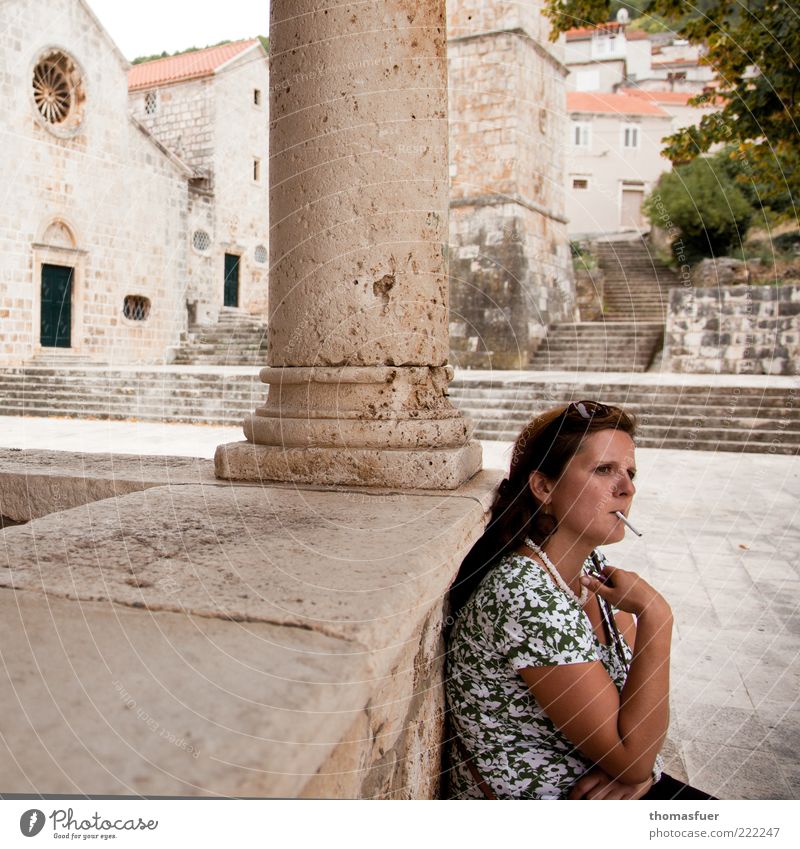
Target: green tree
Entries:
(701, 206)
(753, 48)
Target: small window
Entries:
(150, 102)
(260, 254)
(256, 97)
(580, 183)
(257, 170)
(630, 136)
(581, 134)
(201, 241)
(136, 307)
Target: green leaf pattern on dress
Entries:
(517, 618)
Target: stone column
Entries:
(358, 302)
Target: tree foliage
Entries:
(701, 206)
(754, 49)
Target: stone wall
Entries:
(734, 330)
(309, 621)
(99, 197)
(510, 265)
(183, 119)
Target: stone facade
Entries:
(734, 330)
(218, 125)
(93, 193)
(510, 269)
(109, 202)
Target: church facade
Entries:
(100, 257)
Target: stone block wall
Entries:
(310, 620)
(511, 271)
(183, 120)
(734, 330)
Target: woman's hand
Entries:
(596, 784)
(627, 591)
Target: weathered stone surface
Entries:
(721, 271)
(34, 483)
(510, 268)
(310, 622)
(742, 329)
(443, 468)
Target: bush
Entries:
(701, 206)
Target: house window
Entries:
(201, 241)
(150, 102)
(136, 307)
(630, 136)
(256, 97)
(257, 170)
(580, 183)
(260, 254)
(581, 134)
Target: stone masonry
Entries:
(734, 330)
(94, 193)
(510, 270)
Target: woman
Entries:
(558, 663)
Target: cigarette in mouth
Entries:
(624, 518)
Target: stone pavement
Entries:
(721, 542)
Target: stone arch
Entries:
(57, 233)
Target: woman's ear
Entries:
(540, 486)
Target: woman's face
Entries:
(597, 481)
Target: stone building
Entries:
(102, 219)
(510, 270)
(210, 107)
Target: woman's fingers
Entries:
(586, 783)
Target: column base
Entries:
(436, 468)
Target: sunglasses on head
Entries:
(587, 409)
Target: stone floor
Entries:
(722, 543)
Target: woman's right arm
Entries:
(620, 732)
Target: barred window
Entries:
(136, 307)
(151, 102)
(260, 254)
(201, 240)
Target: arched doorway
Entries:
(57, 260)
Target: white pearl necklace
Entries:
(555, 574)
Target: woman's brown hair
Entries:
(546, 443)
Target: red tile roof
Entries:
(615, 104)
(612, 27)
(677, 61)
(577, 33)
(187, 66)
(675, 97)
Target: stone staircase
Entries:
(631, 333)
(637, 283)
(760, 417)
(599, 346)
(237, 338)
(753, 418)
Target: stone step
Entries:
(647, 421)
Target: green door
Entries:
(56, 309)
(231, 280)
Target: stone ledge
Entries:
(291, 636)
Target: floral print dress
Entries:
(516, 618)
